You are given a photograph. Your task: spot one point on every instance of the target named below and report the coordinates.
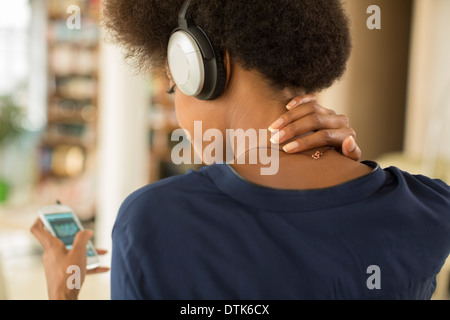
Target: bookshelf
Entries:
(67, 152)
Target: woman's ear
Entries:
(227, 64)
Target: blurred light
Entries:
(14, 14)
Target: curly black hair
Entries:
(293, 43)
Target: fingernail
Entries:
(276, 125)
(90, 233)
(351, 144)
(291, 104)
(290, 147)
(277, 137)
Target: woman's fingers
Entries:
(301, 100)
(350, 149)
(98, 270)
(312, 123)
(308, 126)
(330, 137)
(101, 252)
(334, 137)
(46, 239)
(299, 112)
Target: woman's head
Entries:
(291, 43)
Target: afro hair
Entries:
(293, 43)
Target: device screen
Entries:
(65, 228)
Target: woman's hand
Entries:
(307, 126)
(57, 260)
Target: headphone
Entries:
(196, 67)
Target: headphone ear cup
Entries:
(186, 63)
(196, 66)
(221, 76)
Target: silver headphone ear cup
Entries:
(186, 63)
(196, 66)
(192, 73)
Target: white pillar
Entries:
(123, 145)
(37, 100)
(429, 84)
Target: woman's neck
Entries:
(254, 105)
(252, 108)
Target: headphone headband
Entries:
(184, 16)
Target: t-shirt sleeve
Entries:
(125, 271)
(135, 242)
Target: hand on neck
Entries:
(251, 103)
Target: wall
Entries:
(373, 90)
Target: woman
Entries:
(321, 227)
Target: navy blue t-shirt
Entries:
(212, 235)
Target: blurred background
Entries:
(77, 125)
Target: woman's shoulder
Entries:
(429, 196)
(165, 194)
(420, 184)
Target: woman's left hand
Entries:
(306, 116)
(57, 261)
